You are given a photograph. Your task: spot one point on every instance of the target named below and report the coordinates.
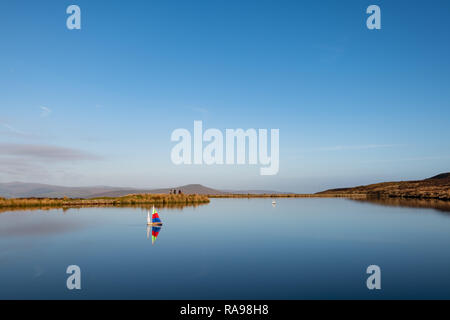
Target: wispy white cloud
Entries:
(37, 161)
(10, 130)
(45, 152)
(14, 166)
(45, 112)
(430, 158)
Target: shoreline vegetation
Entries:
(437, 187)
(162, 200)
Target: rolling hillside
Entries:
(437, 187)
(187, 189)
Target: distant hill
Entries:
(187, 189)
(440, 176)
(437, 187)
(38, 190)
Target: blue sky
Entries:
(97, 106)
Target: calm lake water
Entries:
(228, 249)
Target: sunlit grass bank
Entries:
(134, 199)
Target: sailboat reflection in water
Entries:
(155, 223)
(155, 232)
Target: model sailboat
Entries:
(155, 220)
(155, 223)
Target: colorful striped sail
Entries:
(155, 232)
(155, 216)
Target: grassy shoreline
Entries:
(137, 199)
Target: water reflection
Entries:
(155, 233)
(411, 243)
(439, 205)
(37, 228)
(65, 208)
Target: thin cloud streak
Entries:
(39, 162)
(45, 112)
(359, 147)
(45, 152)
(11, 130)
(15, 167)
(410, 159)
